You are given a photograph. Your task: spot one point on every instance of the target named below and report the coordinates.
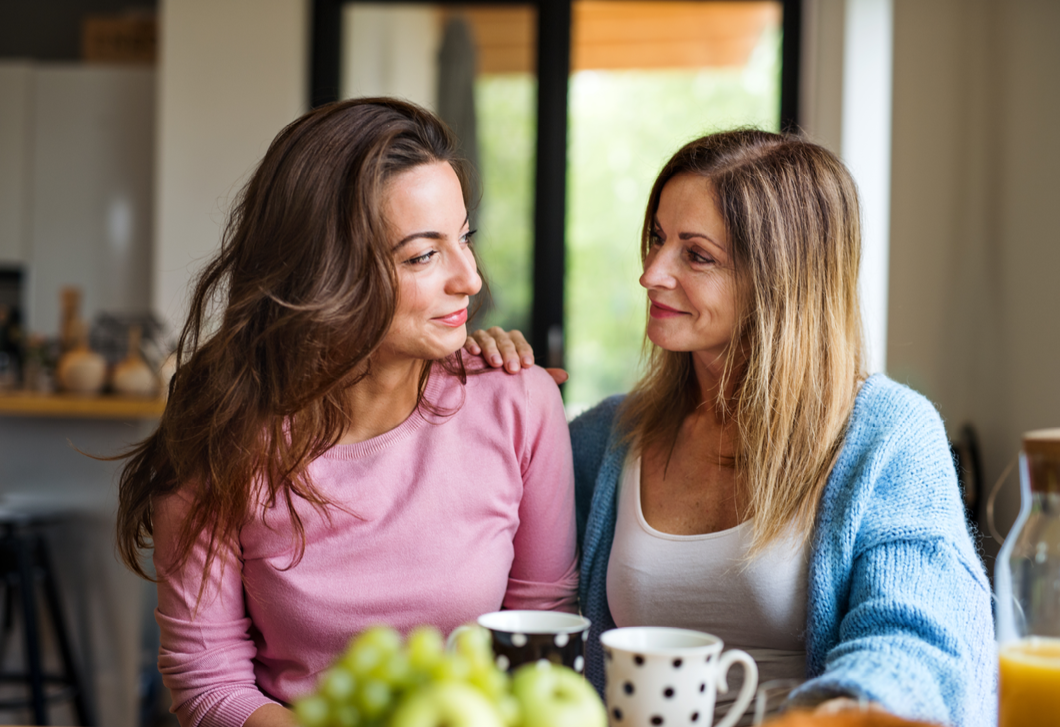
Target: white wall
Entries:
(845, 105)
(232, 73)
(91, 191)
(821, 72)
(76, 185)
(392, 50)
(974, 318)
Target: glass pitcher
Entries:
(1027, 582)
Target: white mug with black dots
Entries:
(665, 676)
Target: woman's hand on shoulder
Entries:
(507, 349)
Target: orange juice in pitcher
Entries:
(1029, 686)
(1027, 582)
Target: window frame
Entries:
(550, 179)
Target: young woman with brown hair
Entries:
(755, 484)
(312, 473)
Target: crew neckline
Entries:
(413, 423)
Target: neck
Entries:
(382, 400)
(709, 372)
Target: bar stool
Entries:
(24, 566)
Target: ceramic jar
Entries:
(81, 370)
(132, 376)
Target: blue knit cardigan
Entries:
(899, 605)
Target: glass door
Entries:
(577, 103)
(646, 77)
(475, 67)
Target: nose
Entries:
(463, 274)
(659, 269)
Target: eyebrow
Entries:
(690, 235)
(698, 235)
(427, 234)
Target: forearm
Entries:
(271, 715)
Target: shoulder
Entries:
(591, 434)
(895, 470)
(599, 420)
(892, 425)
(886, 409)
(529, 388)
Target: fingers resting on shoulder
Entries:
(506, 349)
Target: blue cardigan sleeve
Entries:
(899, 602)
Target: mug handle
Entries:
(747, 691)
(450, 641)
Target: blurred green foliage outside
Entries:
(623, 126)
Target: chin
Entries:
(449, 344)
(667, 343)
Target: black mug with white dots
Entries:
(666, 676)
(522, 637)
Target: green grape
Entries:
(425, 647)
(445, 703)
(374, 698)
(362, 657)
(394, 670)
(346, 715)
(452, 667)
(386, 639)
(338, 684)
(508, 708)
(474, 643)
(312, 711)
(491, 681)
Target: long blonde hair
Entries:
(796, 357)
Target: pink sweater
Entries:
(439, 520)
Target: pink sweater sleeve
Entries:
(544, 573)
(206, 654)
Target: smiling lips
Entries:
(658, 310)
(453, 320)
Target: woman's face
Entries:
(436, 270)
(688, 273)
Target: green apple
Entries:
(556, 696)
(446, 704)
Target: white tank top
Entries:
(703, 582)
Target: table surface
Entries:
(103, 406)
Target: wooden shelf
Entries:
(21, 403)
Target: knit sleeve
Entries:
(912, 627)
(206, 654)
(544, 572)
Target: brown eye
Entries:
(698, 259)
(421, 259)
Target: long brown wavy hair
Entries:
(796, 357)
(283, 320)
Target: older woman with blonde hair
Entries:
(755, 483)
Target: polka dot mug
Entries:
(665, 676)
(521, 637)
